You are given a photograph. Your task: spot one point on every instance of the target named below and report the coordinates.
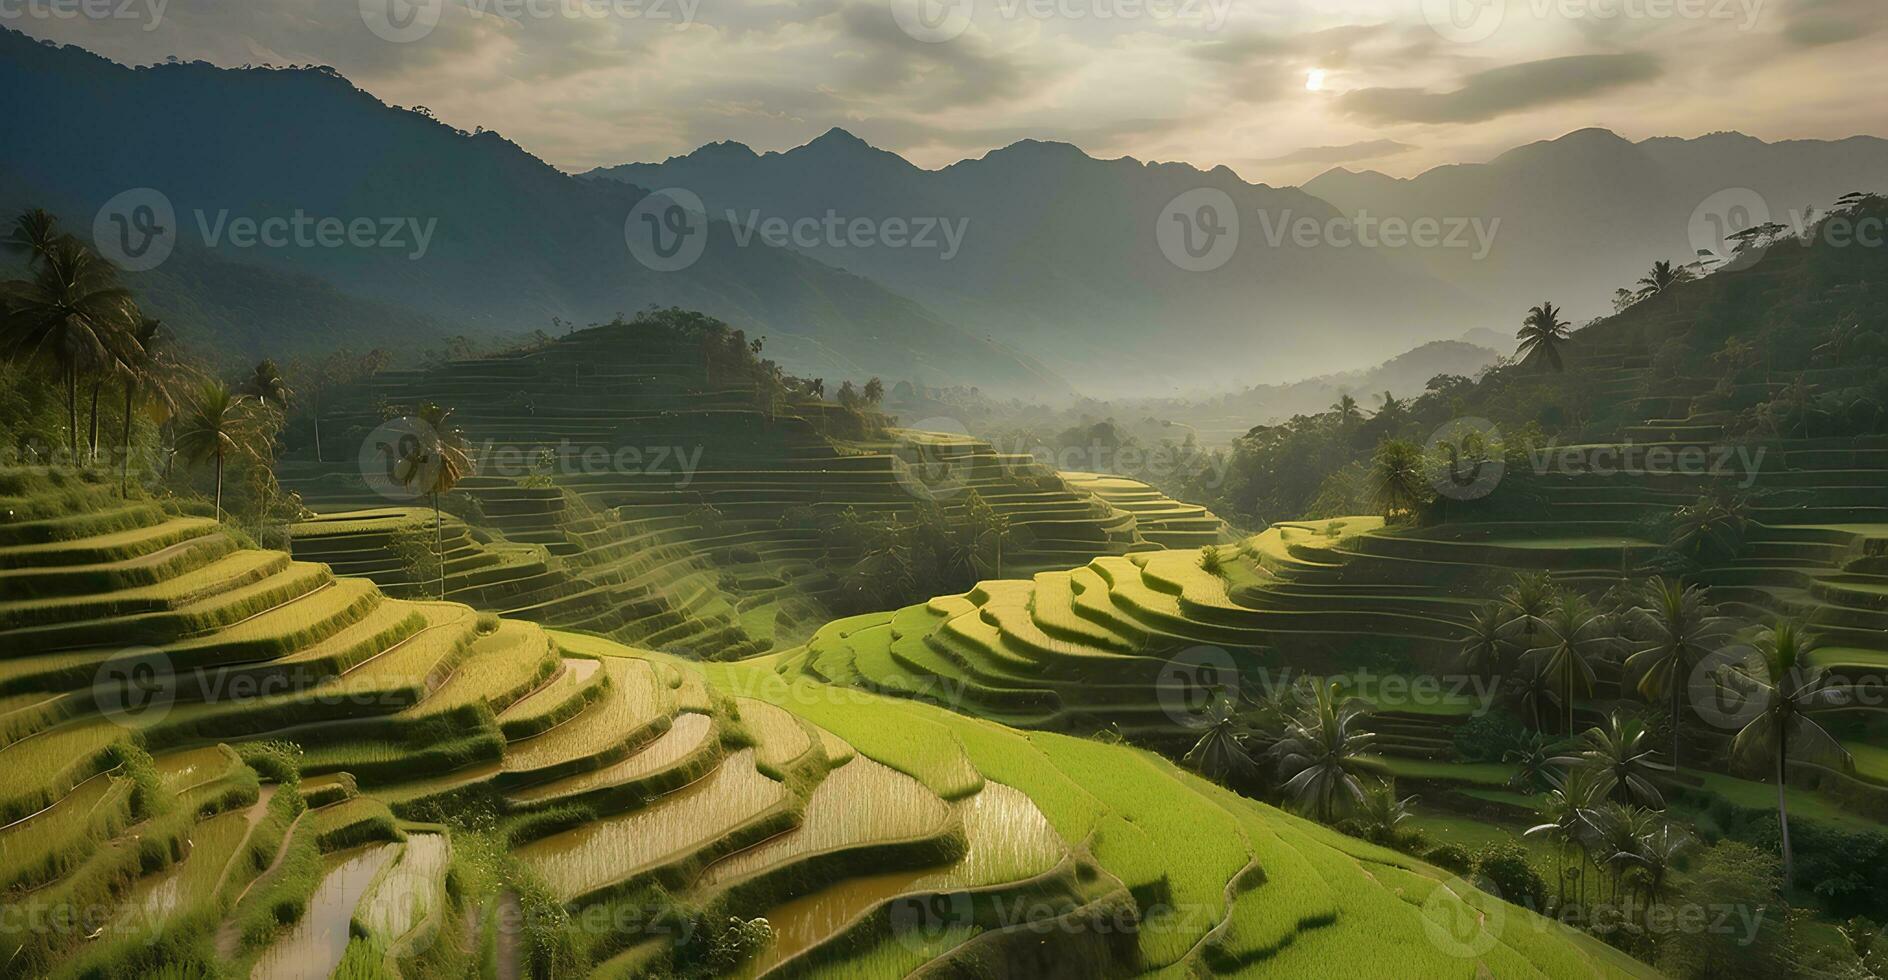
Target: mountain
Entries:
(1223, 419)
(1059, 256)
(492, 241)
(1590, 212)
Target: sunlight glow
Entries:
(1314, 80)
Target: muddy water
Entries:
(687, 734)
(408, 893)
(312, 949)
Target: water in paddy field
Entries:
(315, 947)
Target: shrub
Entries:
(1451, 857)
(1488, 737)
(1505, 867)
(1211, 561)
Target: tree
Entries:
(1789, 688)
(1533, 760)
(1401, 485)
(1567, 820)
(1393, 410)
(1382, 813)
(266, 386)
(150, 376)
(874, 391)
(1525, 605)
(214, 426)
(1349, 415)
(1711, 529)
(435, 463)
(1220, 752)
(1656, 856)
(1321, 755)
(1676, 628)
(67, 316)
(1621, 761)
(1485, 648)
(1541, 334)
(1664, 275)
(1577, 639)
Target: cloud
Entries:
(1500, 91)
(1367, 150)
(1815, 23)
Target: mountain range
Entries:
(1043, 271)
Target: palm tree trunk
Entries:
(1783, 806)
(72, 411)
(124, 462)
(1678, 706)
(97, 383)
(439, 547)
(219, 486)
(315, 410)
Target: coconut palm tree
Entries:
(34, 233)
(1577, 639)
(1711, 529)
(1382, 812)
(1789, 688)
(1401, 484)
(1566, 813)
(1349, 415)
(1675, 628)
(1664, 275)
(1320, 757)
(1659, 849)
(1533, 759)
(1485, 647)
(1525, 605)
(1531, 692)
(266, 386)
(66, 315)
(1220, 753)
(150, 376)
(214, 426)
(1622, 762)
(1617, 831)
(1541, 334)
(436, 463)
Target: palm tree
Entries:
(266, 386)
(435, 464)
(1664, 276)
(1617, 831)
(1220, 753)
(1348, 414)
(1486, 646)
(1321, 755)
(149, 375)
(1525, 605)
(1790, 688)
(1566, 814)
(1531, 691)
(1622, 763)
(1382, 812)
(1401, 484)
(1577, 638)
(34, 233)
(1541, 334)
(66, 315)
(1657, 854)
(1533, 758)
(1392, 410)
(213, 427)
(1710, 529)
(1677, 628)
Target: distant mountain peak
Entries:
(838, 136)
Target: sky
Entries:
(1278, 90)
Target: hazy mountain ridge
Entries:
(1589, 212)
(1060, 257)
(516, 241)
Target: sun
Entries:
(1314, 80)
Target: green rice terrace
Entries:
(651, 492)
(219, 760)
